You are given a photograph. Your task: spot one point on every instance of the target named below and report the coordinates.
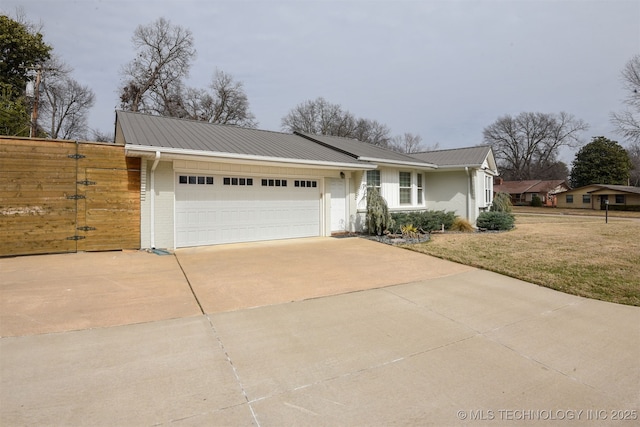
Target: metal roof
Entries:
(143, 130)
(365, 151)
(469, 156)
(613, 187)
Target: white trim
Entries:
(468, 193)
(182, 154)
(396, 163)
(152, 230)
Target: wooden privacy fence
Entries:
(67, 196)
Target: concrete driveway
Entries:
(375, 335)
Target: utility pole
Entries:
(33, 131)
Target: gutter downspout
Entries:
(152, 222)
(466, 169)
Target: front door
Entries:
(603, 201)
(338, 206)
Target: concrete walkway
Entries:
(442, 344)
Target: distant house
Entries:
(596, 196)
(523, 192)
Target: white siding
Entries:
(164, 200)
(390, 189)
(165, 193)
(144, 204)
(447, 191)
(459, 191)
(164, 205)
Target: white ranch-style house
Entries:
(207, 184)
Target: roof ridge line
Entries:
(312, 139)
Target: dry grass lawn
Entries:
(580, 255)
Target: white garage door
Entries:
(213, 209)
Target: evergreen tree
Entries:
(21, 49)
(602, 161)
(378, 219)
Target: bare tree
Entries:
(319, 117)
(408, 143)
(231, 105)
(525, 143)
(68, 104)
(372, 132)
(152, 82)
(65, 103)
(227, 103)
(634, 156)
(552, 171)
(627, 122)
(97, 135)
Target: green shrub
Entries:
(630, 208)
(501, 203)
(427, 221)
(495, 221)
(378, 219)
(536, 201)
(461, 224)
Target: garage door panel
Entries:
(213, 214)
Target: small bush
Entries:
(427, 221)
(461, 224)
(536, 201)
(495, 221)
(629, 208)
(502, 203)
(409, 230)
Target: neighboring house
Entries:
(204, 184)
(596, 196)
(523, 192)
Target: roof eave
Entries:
(183, 154)
(385, 162)
(474, 166)
(605, 190)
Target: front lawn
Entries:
(577, 255)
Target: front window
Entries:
(405, 188)
(373, 179)
(586, 198)
(419, 185)
(569, 198)
(620, 199)
(488, 189)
